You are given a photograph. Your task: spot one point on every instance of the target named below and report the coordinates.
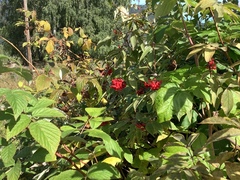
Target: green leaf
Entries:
(7, 155)
(15, 127)
(182, 103)
(111, 145)
(191, 2)
(102, 119)
(128, 156)
(68, 175)
(164, 7)
(199, 141)
(133, 41)
(14, 172)
(176, 149)
(41, 103)
(103, 171)
(227, 101)
(47, 112)
(81, 82)
(18, 101)
(3, 91)
(4, 57)
(42, 155)
(224, 134)
(80, 42)
(107, 41)
(95, 112)
(99, 88)
(43, 82)
(146, 50)
(46, 134)
(164, 102)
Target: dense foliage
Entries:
(163, 103)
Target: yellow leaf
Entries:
(70, 31)
(65, 32)
(208, 53)
(68, 44)
(81, 33)
(43, 82)
(104, 101)
(44, 39)
(112, 160)
(20, 84)
(34, 15)
(80, 41)
(50, 46)
(80, 164)
(87, 45)
(45, 25)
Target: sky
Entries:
(140, 2)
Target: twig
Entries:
(20, 54)
(73, 155)
(219, 36)
(71, 162)
(189, 39)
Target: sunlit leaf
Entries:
(95, 112)
(43, 82)
(87, 45)
(224, 134)
(68, 175)
(133, 41)
(164, 7)
(146, 50)
(111, 145)
(16, 127)
(193, 52)
(221, 120)
(227, 101)
(18, 101)
(46, 134)
(80, 42)
(112, 160)
(47, 112)
(203, 4)
(164, 102)
(103, 171)
(14, 172)
(50, 46)
(7, 155)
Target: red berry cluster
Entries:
(212, 64)
(153, 84)
(141, 126)
(118, 84)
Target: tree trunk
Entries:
(27, 34)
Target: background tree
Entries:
(94, 16)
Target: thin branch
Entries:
(189, 39)
(73, 155)
(219, 36)
(20, 54)
(71, 162)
